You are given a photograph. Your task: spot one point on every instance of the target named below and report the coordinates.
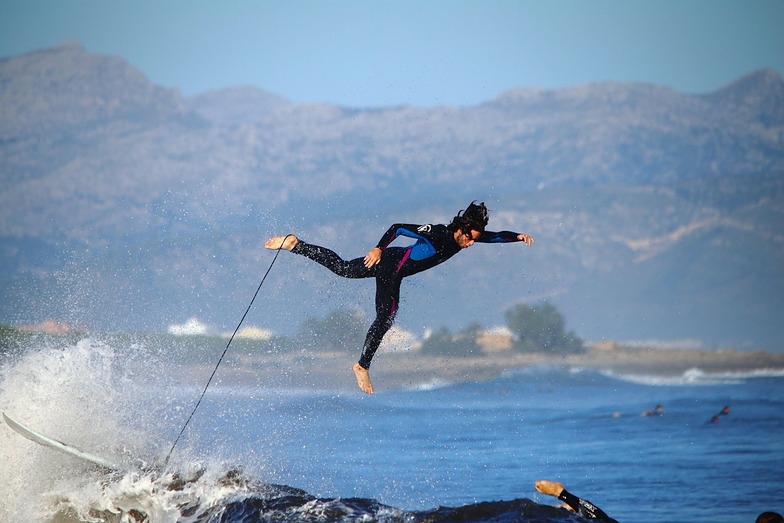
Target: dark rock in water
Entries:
(518, 510)
(250, 500)
(295, 505)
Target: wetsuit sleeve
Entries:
(498, 237)
(585, 508)
(399, 229)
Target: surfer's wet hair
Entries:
(474, 217)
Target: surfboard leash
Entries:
(215, 370)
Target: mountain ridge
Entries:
(164, 200)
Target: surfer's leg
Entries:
(285, 243)
(348, 269)
(381, 324)
(387, 298)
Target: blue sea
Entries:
(454, 452)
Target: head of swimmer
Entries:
(469, 224)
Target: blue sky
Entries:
(377, 53)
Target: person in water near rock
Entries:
(583, 507)
(770, 517)
(434, 244)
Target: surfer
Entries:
(434, 244)
(724, 412)
(583, 507)
(655, 412)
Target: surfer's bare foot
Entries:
(363, 378)
(549, 487)
(282, 242)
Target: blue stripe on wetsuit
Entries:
(422, 249)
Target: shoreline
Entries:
(411, 370)
(254, 364)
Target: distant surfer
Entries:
(434, 244)
(583, 507)
(655, 412)
(724, 412)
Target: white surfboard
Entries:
(59, 445)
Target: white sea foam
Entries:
(695, 377)
(80, 394)
(433, 384)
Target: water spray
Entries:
(215, 370)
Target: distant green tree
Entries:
(6, 331)
(10, 339)
(339, 330)
(441, 342)
(541, 328)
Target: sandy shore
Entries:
(331, 371)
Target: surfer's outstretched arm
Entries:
(583, 507)
(505, 237)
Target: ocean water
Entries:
(455, 452)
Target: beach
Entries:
(322, 370)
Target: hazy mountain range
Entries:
(124, 205)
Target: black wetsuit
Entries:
(434, 245)
(585, 508)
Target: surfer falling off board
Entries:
(434, 244)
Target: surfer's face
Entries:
(466, 239)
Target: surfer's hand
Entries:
(525, 238)
(373, 257)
